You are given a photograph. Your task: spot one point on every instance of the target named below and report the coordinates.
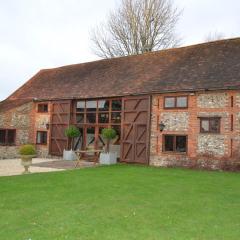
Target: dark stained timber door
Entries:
(60, 119)
(135, 129)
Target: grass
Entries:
(121, 202)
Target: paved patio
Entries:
(9, 167)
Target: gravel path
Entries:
(9, 167)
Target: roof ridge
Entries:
(146, 53)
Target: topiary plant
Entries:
(108, 134)
(72, 132)
(27, 150)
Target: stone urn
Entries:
(27, 152)
(26, 162)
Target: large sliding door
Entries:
(60, 119)
(135, 129)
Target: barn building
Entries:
(169, 107)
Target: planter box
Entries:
(69, 155)
(108, 158)
(116, 149)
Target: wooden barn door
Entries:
(135, 129)
(60, 119)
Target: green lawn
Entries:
(121, 202)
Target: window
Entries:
(116, 117)
(103, 117)
(42, 108)
(176, 102)
(80, 106)
(80, 118)
(210, 125)
(103, 105)
(103, 111)
(169, 102)
(7, 137)
(91, 106)
(175, 143)
(41, 137)
(91, 117)
(116, 105)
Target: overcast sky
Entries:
(37, 34)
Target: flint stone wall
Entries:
(211, 144)
(212, 100)
(175, 121)
(20, 119)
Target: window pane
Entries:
(90, 138)
(103, 117)
(169, 142)
(100, 141)
(91, 117)
(103, 105)
(78, 141)
(38, 137)
(116, 105)
(181, 143)
(11, 137)
(45, 108)
(41, 137)
(91, 106)
(80, 106)
(169, 102)
(205, 126)
(116, 117)
(42, 107)
(214, 125)
(44, 137)
(2, 136)
(118, 137)
(80, 118)
(181, 101)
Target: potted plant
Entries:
(71, 132)
(108, 157)
(27, 152)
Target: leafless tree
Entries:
(135, 27)
(214, 36)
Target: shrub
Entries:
(208, 161)
(27, 150)
(72, 132)
(108, 134)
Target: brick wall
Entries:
(187, 122)
(40, 124)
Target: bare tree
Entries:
(214, 36)
(135, 27)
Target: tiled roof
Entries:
(213, 65)
(8, 104)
